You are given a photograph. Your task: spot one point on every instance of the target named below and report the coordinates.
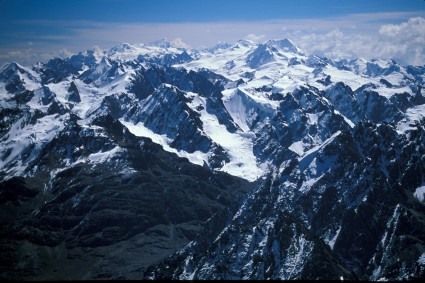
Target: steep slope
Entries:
(330, 214)
(105, 204)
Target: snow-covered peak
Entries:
(370, 68)
(218, 46)
(125, 47)
(15, 78)
(283, 51)
(285, 45)
(12, 68)
(244, 43)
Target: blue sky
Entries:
(32, 30)
(193, 10)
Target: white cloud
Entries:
(409, 30)
(404, 42)
(30, 56)
(179, 43)
(254, 37)
(64, 53)
(24, 56)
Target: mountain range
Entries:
(243, 161)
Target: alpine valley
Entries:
(244, 161)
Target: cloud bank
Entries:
(403, 42)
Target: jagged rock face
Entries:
(139, 206)
(252, 161)
(333, 196)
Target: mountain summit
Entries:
(244, 161)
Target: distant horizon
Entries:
(106, 50)
(392, 29)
